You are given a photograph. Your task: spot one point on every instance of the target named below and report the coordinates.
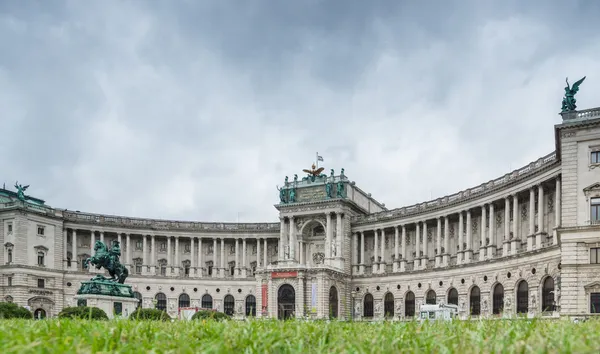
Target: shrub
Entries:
(149, 314)
(83, 312)
(210, 315)
(12, 310)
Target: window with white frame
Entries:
(40, 230)
(595, 210)
(9, 228)
(595, 255)
(40, 258)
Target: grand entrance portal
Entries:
(286, 302)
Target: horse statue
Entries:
(109, 259)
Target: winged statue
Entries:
(314, 171)
(21, 190)
(568, 103)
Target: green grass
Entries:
(125, 336)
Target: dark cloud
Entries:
(197, 110)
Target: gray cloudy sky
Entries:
(198, 109)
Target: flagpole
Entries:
(317, 159)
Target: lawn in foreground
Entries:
(127, 336)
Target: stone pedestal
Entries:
(114, 306)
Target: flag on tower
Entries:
(319, 158)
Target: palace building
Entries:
(527, 242)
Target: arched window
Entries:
(138, 296)
(333, 302)
(523, 297)
(368, 306)
(39, 314)
(388, 305)
(453, 296)
(184, 300)
(161, 301)
(228, 304)
(498, 299)
(207, 302)
(250, 305)
(409, 304)
(430, 298)
(548, 295)
(475, 301)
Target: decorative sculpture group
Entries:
(287, 193)
(109, 260)
(21, 190)
(568, 102)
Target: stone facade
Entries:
(525, 243)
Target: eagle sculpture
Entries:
(314, 171)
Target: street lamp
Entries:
(353, 304)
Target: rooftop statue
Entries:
(314, 172)
(21, 190)
(109, 259)
(568, 102)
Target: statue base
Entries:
(114, 306)
(105, 287)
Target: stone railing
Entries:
(589, 113)
(109, 220)
(480, 190)
(35, 207)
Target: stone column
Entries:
(177, 263)
(328, 236)
(145, 259)
(66, 264)
(236, 269)
(425, 259)
(74, 250)
(244, 264)
(461, 230)
(403, 250)
(506, 242)
(446, 254)
(355, 253)
(469, 250)
(92, 242)
(215, 271)
(361, 267)
(192, 263)
(382, 264)
(375, 267)
(200, 265)
(417, 261)
(280, 256)
(102, 236)
(484, 242)
(222, 266)
(531, 216)
(492, 232)
(339, 235)
(396, 265)
(538, 236)
(438, 242)
(128, 253)
(152, 254)
(292, 242)
(557, 211)
(301, 251)
(258, 260)
(265, 251)
(515, 243)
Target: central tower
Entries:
(312, 274)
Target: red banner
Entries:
(264, 298)
(277, 275)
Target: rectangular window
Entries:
(595, 211)
(40, 230)
(595, 157)
(10, 228)
(595, 255)
(595, 302)
(9, 281)
(41, 283)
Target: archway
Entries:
(523, 297)
(228, 304)
(251, 305)
(39, 314)
(138, 296)
(548, 295)
(475, 301)
(368, 306)
(453, 296)
(430, 298)
(409, 304)
(498, 299)
(207, 302)
(161, 301)
(388, 305)
(184, 300)
(286, 302)
(333, 302)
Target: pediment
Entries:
(593, 188)
(41, 248)
(592, 285)
(9, 245)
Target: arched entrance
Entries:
(548, 295)
(286, 302)
(498, 299)
(523, 297)
(333, 302)
(39, 314)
